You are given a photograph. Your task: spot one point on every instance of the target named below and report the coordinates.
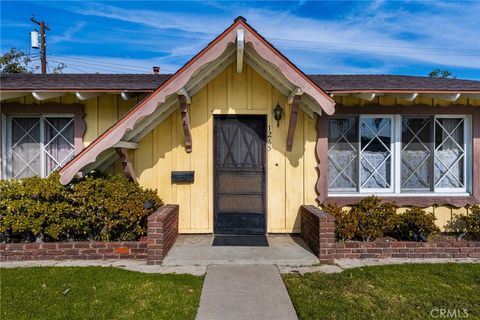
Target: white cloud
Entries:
(447, 34)
(69, 33)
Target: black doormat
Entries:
(240, 241)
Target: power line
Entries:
(97, 62)
(81, 64)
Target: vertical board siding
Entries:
(443, 214)
(291, 176)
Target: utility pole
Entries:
(43, 50)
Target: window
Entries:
(398, 154)
(38, 145)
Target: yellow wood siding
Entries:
(291, 176)
(100, 112)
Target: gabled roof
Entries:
(150, 82)
(193, 75)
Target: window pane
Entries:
(417, 147)
(343, 154)
(25, 147)
(449, 153)
(59, 142)
(375, 155)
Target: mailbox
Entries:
(183, 176)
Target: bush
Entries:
(367, 220)
(415, 224)
(467, 226)
(97, 207)
(375, 219)
(345, 223)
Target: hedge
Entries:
(97, 207)
(371, 219)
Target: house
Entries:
(240, 137)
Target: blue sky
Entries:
(321, 37)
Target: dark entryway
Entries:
(239, 146)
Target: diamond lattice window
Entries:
(38, 145)
(398, 154)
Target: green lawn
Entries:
(96, 293)
(388, 292)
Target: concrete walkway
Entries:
(244, 292)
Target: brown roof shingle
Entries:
(392, 82)
(149, 82)
(96, 81)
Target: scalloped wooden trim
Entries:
(400, 201)
(322, 158)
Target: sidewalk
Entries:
(244, 292)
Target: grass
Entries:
(96, 293)
(388, 292)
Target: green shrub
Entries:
(375, 219)
(415, 224)
(467, 226)
(366, 221)
(345, 223)
(97, 207)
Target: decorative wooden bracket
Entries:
(240, 49)
(126, 163)
(293, 120)
(183, 100)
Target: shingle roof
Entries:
(392, 82)
(96, 81)
(149, 82)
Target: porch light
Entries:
(277, 113)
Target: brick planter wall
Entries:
(73, 250)
(161, 235)
(318, 232)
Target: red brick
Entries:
(415, 255)
(460, 244)
(398, 244)
(122, 250)
(81, 245)
(413, 244)
(49, 245)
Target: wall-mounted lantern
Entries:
(277, 113)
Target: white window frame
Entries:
(392, 153)
(7, 139)
(396, 142)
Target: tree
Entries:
(438, 73)
(59, 68)
(16, 61)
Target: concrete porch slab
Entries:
(197, 250)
